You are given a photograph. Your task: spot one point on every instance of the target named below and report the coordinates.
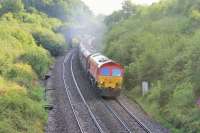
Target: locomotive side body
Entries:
(104, 74)
(84, 55)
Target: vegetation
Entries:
(29, 35)
(160, 44)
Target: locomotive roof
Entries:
(100, 59)
(88, 51)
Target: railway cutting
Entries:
(80, 107)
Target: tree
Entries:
(129, 8)
(11, 6)
(160, 44)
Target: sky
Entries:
(106, 7)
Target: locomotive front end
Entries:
(110, 79)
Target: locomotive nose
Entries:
(110, 82)
(117, 85)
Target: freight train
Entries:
(104, 74)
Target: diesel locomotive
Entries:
(104, 74)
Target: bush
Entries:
(21, 114)
(36, 93)
(22, 74)
(21, 47)
(7, 87)
(160, 44)
(182, 100)
(39, 59)
(11, 6)
(25, 34)
(54, 43)
(37, 19)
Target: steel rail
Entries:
(78, 89)
(69, 94)
(147, 130)
(123, 123)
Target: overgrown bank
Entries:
(30, 35)
(160, 44)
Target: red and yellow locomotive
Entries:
(105, 74)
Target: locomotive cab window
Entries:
(116, 72)
(105, 71)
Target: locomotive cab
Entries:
(110, 76)
(106, 75)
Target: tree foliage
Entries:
(11, 6)
(160, 44)
(29, 35)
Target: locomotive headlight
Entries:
(117, 85)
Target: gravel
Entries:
(81, 110)
(107, 120)
(61, 118)
(130, 122)
(136, 110)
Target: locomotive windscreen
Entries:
(116, 72)
(105, 71)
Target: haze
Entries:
(106, 7)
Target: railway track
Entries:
(69, 94)
(79, 110)
(97, 100)
(123, 123)
(129, 122)
(143, 126)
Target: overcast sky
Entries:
(106, 7)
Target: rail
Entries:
(117, 117)
(78, 89)
(68, 93)
(146, 129)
